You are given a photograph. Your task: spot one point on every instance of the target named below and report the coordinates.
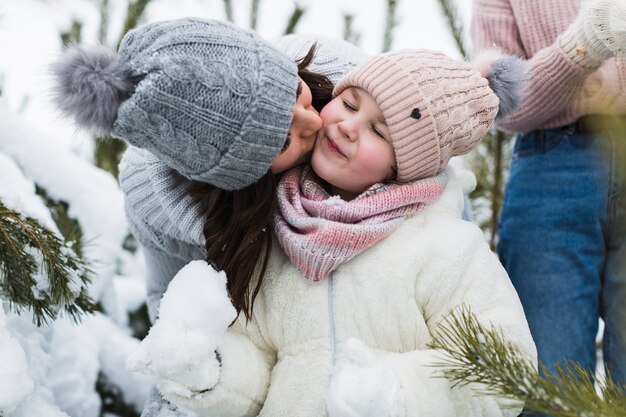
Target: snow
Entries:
(93, 195)
(60, 366)
(18, 193)
(52, 370)
(15, 382)
(194, 314)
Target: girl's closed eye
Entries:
(349, 105)
(377, 131)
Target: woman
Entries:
(562, 233)
(208, 109)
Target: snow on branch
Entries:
(39, 270)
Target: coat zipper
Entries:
(331, 313)
(333, 348)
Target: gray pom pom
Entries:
(89, 86)
(507, 77)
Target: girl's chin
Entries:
(321, 167)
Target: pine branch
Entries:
(40, 271)
(390, 24)
(68, 226)
(294, 19)
(480, 355)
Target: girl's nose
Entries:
(348, 128)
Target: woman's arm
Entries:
(162, 217)
(161, 268)
(555, 78)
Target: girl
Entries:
(375, 257)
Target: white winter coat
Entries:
(391, 297)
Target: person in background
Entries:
(562, 234)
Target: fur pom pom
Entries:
(507, 75)
(89, 86)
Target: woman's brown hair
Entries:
(238, 224)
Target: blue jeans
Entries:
(562, 241)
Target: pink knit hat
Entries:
(436, 107)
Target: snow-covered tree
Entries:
(62, 367)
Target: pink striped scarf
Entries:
(319, 232)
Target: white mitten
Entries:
(363, 386)
(180, 350)
(597, 34)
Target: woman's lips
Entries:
(333, 147)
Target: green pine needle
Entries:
(29, 251)
(480, 355)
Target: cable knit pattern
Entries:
(160, 212)
(320, 232)
(212, 101)
(560, 90)
(454, 103)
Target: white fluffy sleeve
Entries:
(466, 273)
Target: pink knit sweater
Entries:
(560, 91)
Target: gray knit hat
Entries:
(211, 100)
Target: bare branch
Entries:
(133, 16)
(390, 24)
(254, 13)
(228, 8)
(349, 34)
(294, 19)
(456, 26)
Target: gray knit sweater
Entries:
(161, 214)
